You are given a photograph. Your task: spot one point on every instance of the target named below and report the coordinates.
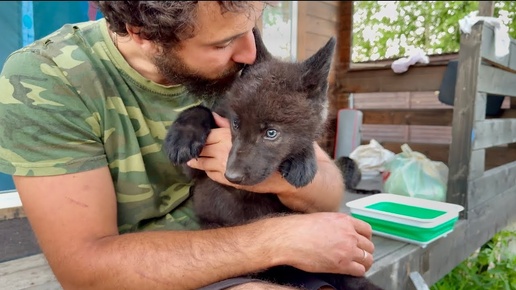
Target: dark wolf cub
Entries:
(276, 111)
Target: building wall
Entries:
(317, 22)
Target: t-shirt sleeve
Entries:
(46, 128)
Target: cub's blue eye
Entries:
(271, 134)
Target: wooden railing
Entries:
(480, 73)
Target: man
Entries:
(84, 112)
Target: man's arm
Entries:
(74, 219)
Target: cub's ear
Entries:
(317, 68)
(262, 54)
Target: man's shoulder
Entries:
(70, 54)
(59, 44)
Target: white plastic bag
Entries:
(371, 157)
(412, 174)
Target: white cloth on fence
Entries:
(401, 65)
(502, 39)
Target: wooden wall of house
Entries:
(317, 22)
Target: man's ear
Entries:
(262, 54)
(133, 33)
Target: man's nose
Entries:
(245, 52)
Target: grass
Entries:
(492, 266)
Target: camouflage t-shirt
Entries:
(71, 103)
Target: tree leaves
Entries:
(391, 29)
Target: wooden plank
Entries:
(11, 213)
(21, 264)
(45, 286)
(496, 81)
(316, 41)
(426, 100)
(497, 156)
(391, 271)
(494, 181)
(399, 100)
(10, 206)
(493, 132)
(512, 60)
(463, 117)
(28, 273)
(486, 8)
(301, 30)
(382, 133)
(321, 26)
(429, 134)
(323, 10)
(436, 117)
(333, 3)
(508, 113)
(344, 35)
(418, 78)
(480, 107)
(404, 133)
(395, 100)
(488, 50)
(478, 163)
(381, 64)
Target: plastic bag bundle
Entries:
(371, 157)
(411, 173)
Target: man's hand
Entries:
(327, 242)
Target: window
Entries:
(279, 23)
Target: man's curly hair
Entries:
(166, 23)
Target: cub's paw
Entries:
(299, 170)
(187, 135)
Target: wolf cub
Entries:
(277, 110)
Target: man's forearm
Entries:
(170, 260)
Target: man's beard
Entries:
(174, 70)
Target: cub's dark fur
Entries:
(352, 175)
(276, 111)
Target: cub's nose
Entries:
(234, 176)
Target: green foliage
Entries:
(491, 267)
(390, 29)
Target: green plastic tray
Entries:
(406, 231)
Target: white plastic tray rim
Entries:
(358, 206)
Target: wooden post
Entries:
(345, 34)
(485, 8)
(466, 99)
